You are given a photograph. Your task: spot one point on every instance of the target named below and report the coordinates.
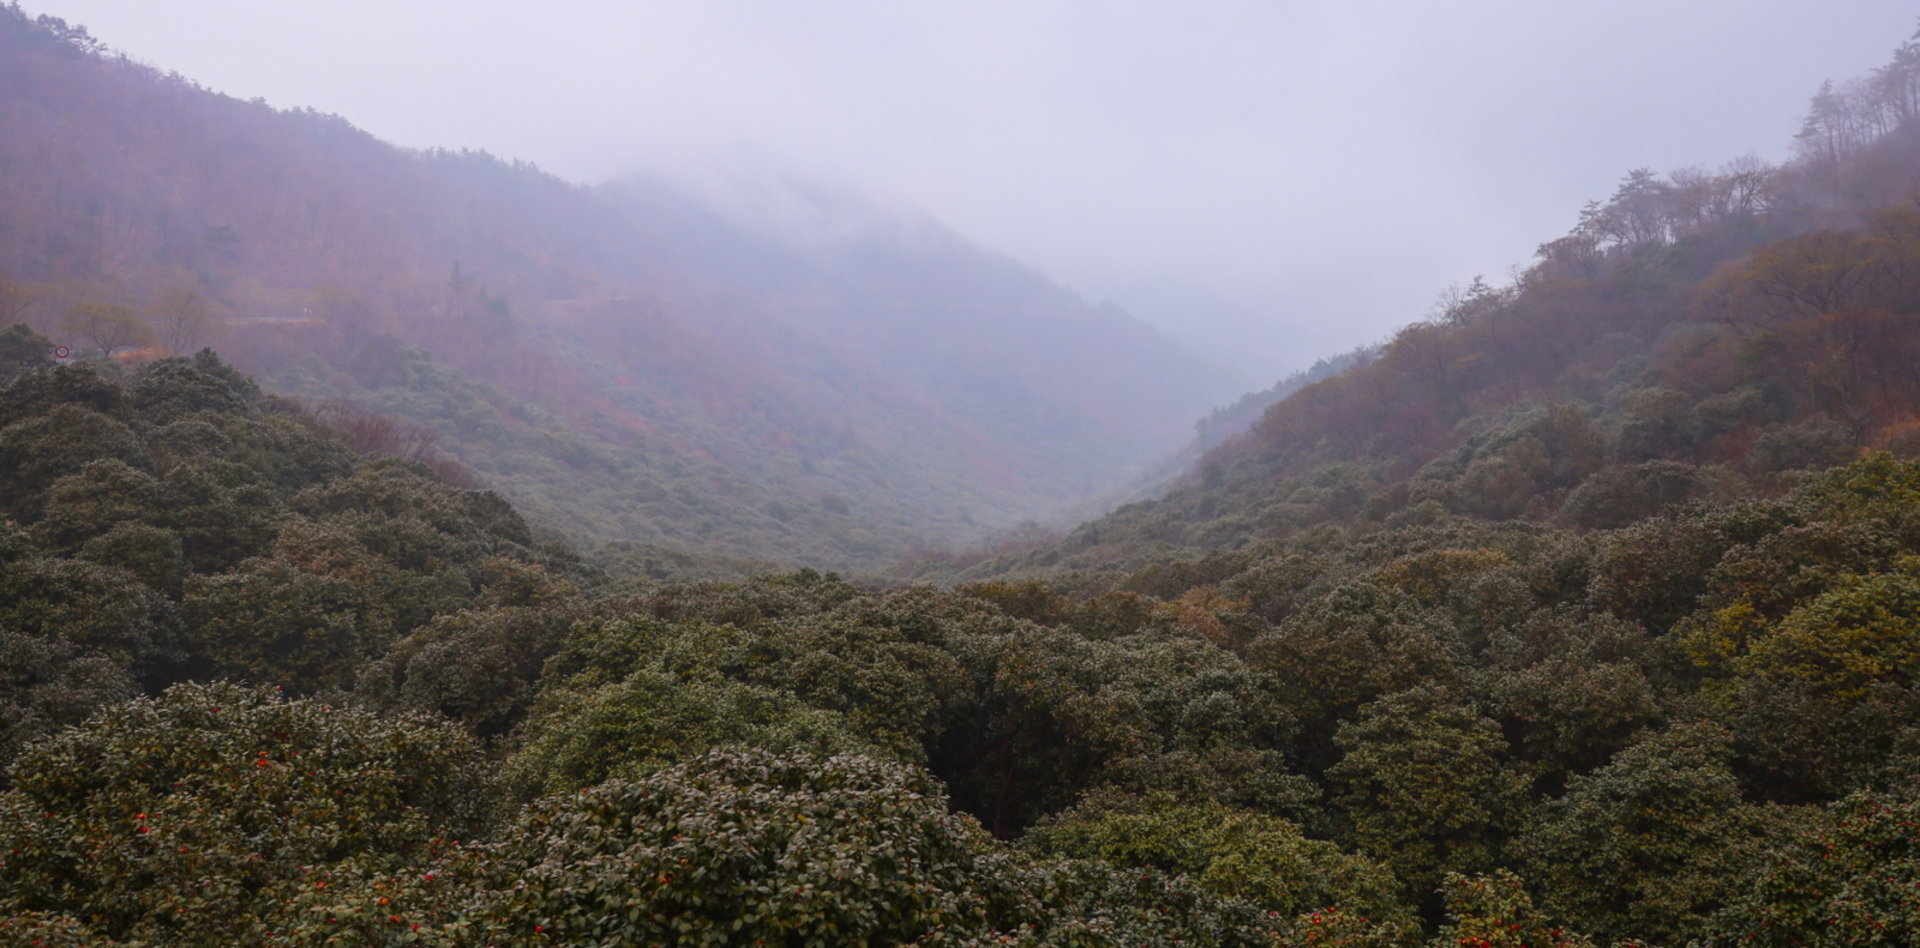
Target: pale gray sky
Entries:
(1271, 180)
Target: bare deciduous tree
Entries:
(109, 326)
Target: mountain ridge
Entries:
(1696, 336)
(923, 389)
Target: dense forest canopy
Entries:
(1584, 613)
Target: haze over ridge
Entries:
(628, 364)
(1272, 183)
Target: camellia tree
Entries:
(652, 719)
(1237, 854)
(1639, 847)
(1849, 877)
(1494, 911)
(20, 347)
(740, 848)
(1424, 785)
(752, 848)
(218, 814)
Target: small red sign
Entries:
(61, 352)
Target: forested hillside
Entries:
(419, 669)
(1585, 614)
(1697, 336)
(1699, 728)
(627, 362)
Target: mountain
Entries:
(1585, 613)
(809, 378)
(1699, 336)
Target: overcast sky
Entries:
(1272, 181)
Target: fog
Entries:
(1269, 182)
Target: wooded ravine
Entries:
(574, 599)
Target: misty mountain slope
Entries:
(1702, 336)
(997, 346)
(1220, 425)
(629, 362)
